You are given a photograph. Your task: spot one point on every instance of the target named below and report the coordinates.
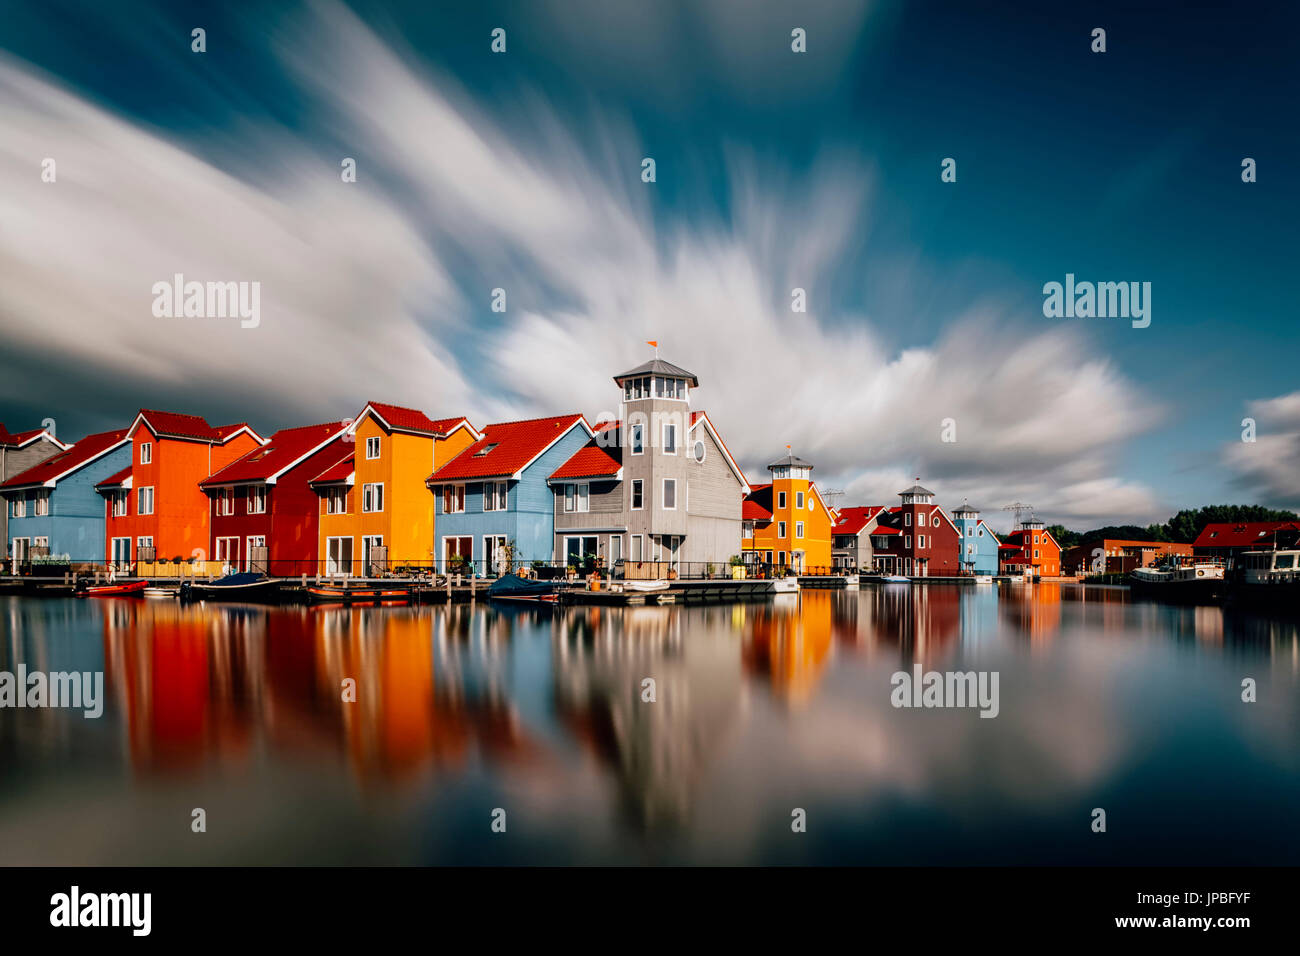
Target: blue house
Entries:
(53, 507)
(977, 544)
(494, 495)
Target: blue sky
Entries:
(774, 169)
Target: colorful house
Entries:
(1118, 556)
(18, 452)
(493, 502)
(265, 514)
(656, 489)
(1230, 539)
(917, 538)
(1030, 550)
(54, 509)
(976, 542)
(375, 511)
(155, 507)
(786, 523)
(851, 537)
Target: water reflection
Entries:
(756, 706)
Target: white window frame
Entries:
(637, 483)
(907, 519)
(920, 519)
(256, 493)
(636, 438)
(121, 504)
(140, 497)
(780, 499)
(224, 550)
(664, 492)
(798, 529)
(455, 494)
(495, 494)
(19, 509)
(920, 541)
(367, 498)
(666, 429)
(798, 500)
(636, 553)
(780, 529)
(907, 542)
(146, 453)
(41, 504)
(339, 495)
(372, 442)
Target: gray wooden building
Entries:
(18, 452)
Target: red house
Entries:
(264, 500)
(1228, 539)
(917, 538)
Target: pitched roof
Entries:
(853, 519)
(702, 418)
(18, 439)
(341, 472)
(506, 448)
(176, 425)
(82, 453)
(757, 505)
(117, 479)
(790, 461)
(658, 366)
(1237, 534)
(916, 490)
(283, 450)
(592, 461)
(401, 419)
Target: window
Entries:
(970, 532)
(225, 501)
(257, 501)
(453, 499)
(780, 499)
(120, 499)
(228, 550)
(780, 529)
(615, 549)
(670, 438)
(907, 541)
(670, 494)
(981, 533)
(637, 438)
(42, 503)
(372, 497)
(494, 496)
(20, 506)
(638, 494)
(907, 519)
(372, 447)
(798, 529)
(336, 503)
(638, 545)
(970, 549)
(920, 520)
(577, 497)
(920, 541)
(700, 452)
(146, 452)
(486, 449)
(1035, 553)
(144, 501)
(41, 542)
(798, 499)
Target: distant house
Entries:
(494, 503)
(978, 545)
(917, 538)
(656, 488)
(851, 537)
(55, 510)
(1031, 550)
(18, 452)
(265, 514)
(1231, 538)
(155, 507)
(1117, 556)
(786, 523)
(375, 510)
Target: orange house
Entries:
(154, 508)
(786, 523)
(1031, 550)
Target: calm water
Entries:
(762, 708)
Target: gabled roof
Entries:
(49, 472)
(21, 439)
(657, 366)
(188, 427)
(400, 419)
(854, 518)
(702, 418)
(1238, 534)
(592, 461)
(757, 505)
(285, 449)
(507, 448)
(120, 479)
(342, 472)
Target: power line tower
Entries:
(1019, 507)
(832, 497)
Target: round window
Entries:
(699, 451)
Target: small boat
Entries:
(983, 579)
(361, 594)
(645, 586)
(895, 579)
(1180, 578)
(244, 586)
(158, 591)
(850, 582)
(511, 587)
(787, 585)
(130, 589)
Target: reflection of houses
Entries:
(658, 751)
(789, 644)
(54, 507)
(1030, 550)
(1116, 556)
(1033, 611)
(786, 523)
(922, 622)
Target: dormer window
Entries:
(486, 449)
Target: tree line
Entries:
(1182, 528)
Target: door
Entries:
(255, 559)
(20, 551)
(457, 553)
(494, 553)
(121, 552)
(615, 550)
(373, 556)
(338, 556)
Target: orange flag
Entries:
(655, 344)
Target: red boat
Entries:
(358, 595)
(135, 588)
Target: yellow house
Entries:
(374, 506)
(786, 524)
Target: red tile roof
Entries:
(82, 453)
(592, 461)
(505, 448)
(117, 478)
(853, 519)
(14, 439)
(284, 448)
(757, 505)
(337, 473)
(178, 425)
(225, 431)
(414, 420)
(1240, 534)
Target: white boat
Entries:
(895, 579)
(850, 582)
(1267, 577)
(161, 592)
(788, 585)
(1180, 578)
(983, 579)
(645, 586)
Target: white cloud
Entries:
(1270, 465)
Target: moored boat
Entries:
(511, 587)
(1180, 578)
(129, 589)
(1267, 577)
(244, 586)
(787, 585)
(895, 579)
(361, 594)
(159, 592)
